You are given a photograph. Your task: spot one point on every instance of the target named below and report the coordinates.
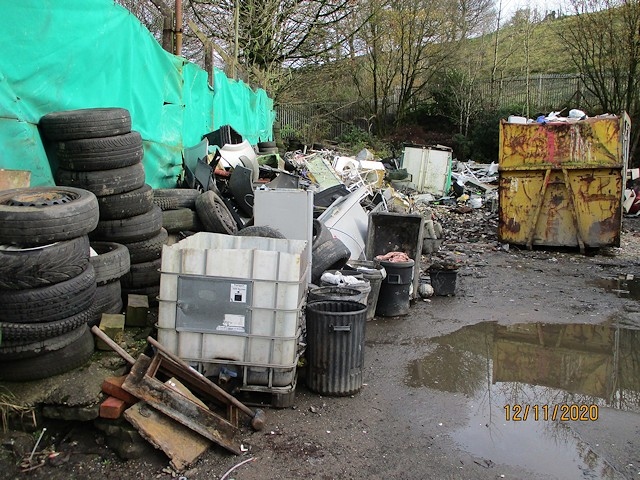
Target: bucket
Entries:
(374, 272)
(336, 292)
(443, 281)
(347, 270)
(364, 287)
(394, 298)
(335, 346)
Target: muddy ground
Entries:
(437, 381)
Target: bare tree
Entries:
(525, 22)
(267, 38)
(605, 39)
(407, 42)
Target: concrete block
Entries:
(137, 310)
(112, 324)
(123, 438)
(112, 408)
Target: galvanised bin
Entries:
(562, 183)
(335, 346)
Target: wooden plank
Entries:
(179, 443)
(179, 407)
(192, 380)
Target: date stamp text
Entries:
(563, 412)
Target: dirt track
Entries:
(431, 406)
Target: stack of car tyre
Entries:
(96, 150)
(47, 283)
(110, 261)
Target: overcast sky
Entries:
(510, 6)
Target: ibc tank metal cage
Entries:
(235, 302)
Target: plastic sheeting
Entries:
(93, 53)
(237, 105)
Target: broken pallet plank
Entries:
(179, 443)
(179, 407)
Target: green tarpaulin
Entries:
(94, 53)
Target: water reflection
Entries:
(624, 285)
(534, 364)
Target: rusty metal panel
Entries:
(593, 142)
(562, 184)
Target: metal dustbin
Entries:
(364, 287)
(375, 273)
(335, 292)
(335, 346)
(562, 183)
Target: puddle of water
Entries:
(627, 286)
(539, 366)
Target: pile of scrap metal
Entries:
(631, 200)
(304, 194)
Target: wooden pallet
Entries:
(262, 396)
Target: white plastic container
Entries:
(234, 301)
(517, 119)
(231, 153)
(429, 168)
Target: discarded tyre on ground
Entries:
(47, 285)
(214, 214)
(330, 255)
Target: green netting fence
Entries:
(94, 53)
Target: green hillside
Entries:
(547, 50)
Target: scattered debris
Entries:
(228, 472)
(142, 383)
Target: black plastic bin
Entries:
(335, 346)
(443, 281)
(394, 298)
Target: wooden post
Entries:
(167, 24)
(167, 33)
(208, 60)
(178, 27)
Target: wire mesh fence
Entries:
(541, 93)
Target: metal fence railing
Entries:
(547, 92)
(316, 121)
